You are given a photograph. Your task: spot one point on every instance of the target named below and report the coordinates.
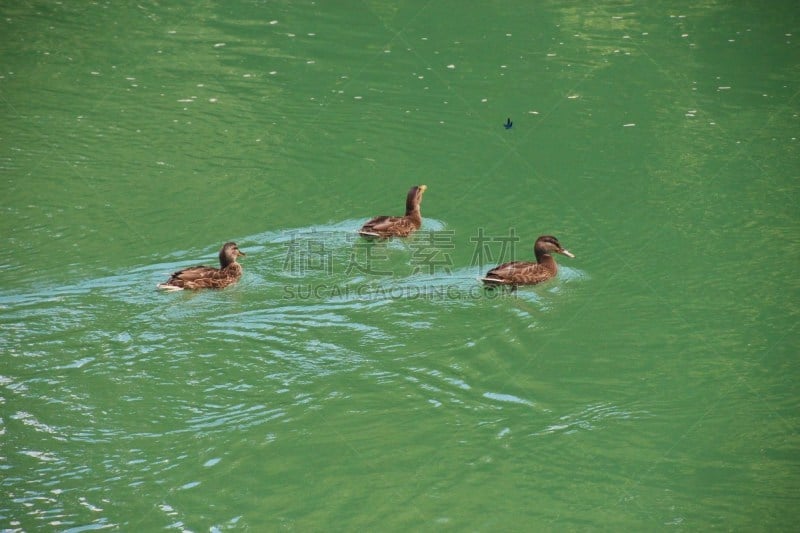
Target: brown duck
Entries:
(526, 272)
(385, 226)
(205, 277)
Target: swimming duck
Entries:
(205, 277)
(526, 272)
(404, 226)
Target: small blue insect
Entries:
(508, 124)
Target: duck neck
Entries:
(414, 214)
(232, 267)
(411, 205)
(547, 261)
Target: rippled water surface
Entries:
(353, 385)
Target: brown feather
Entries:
(388, 226)
(205, 277)
(528, 272)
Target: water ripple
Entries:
(590, 418)
(229, 417)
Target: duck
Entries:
(206, 277)
(527, 272)
(386, 226)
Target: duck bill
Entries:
(241, 253)
(567, 253)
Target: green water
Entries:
(342, 385)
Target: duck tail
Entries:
(168, 287)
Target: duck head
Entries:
(547, 244)
(229, 253)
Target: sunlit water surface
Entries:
(353, 385)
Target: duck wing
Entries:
(517, 273)
(503, 274)
(385, 226)
(203, 277)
